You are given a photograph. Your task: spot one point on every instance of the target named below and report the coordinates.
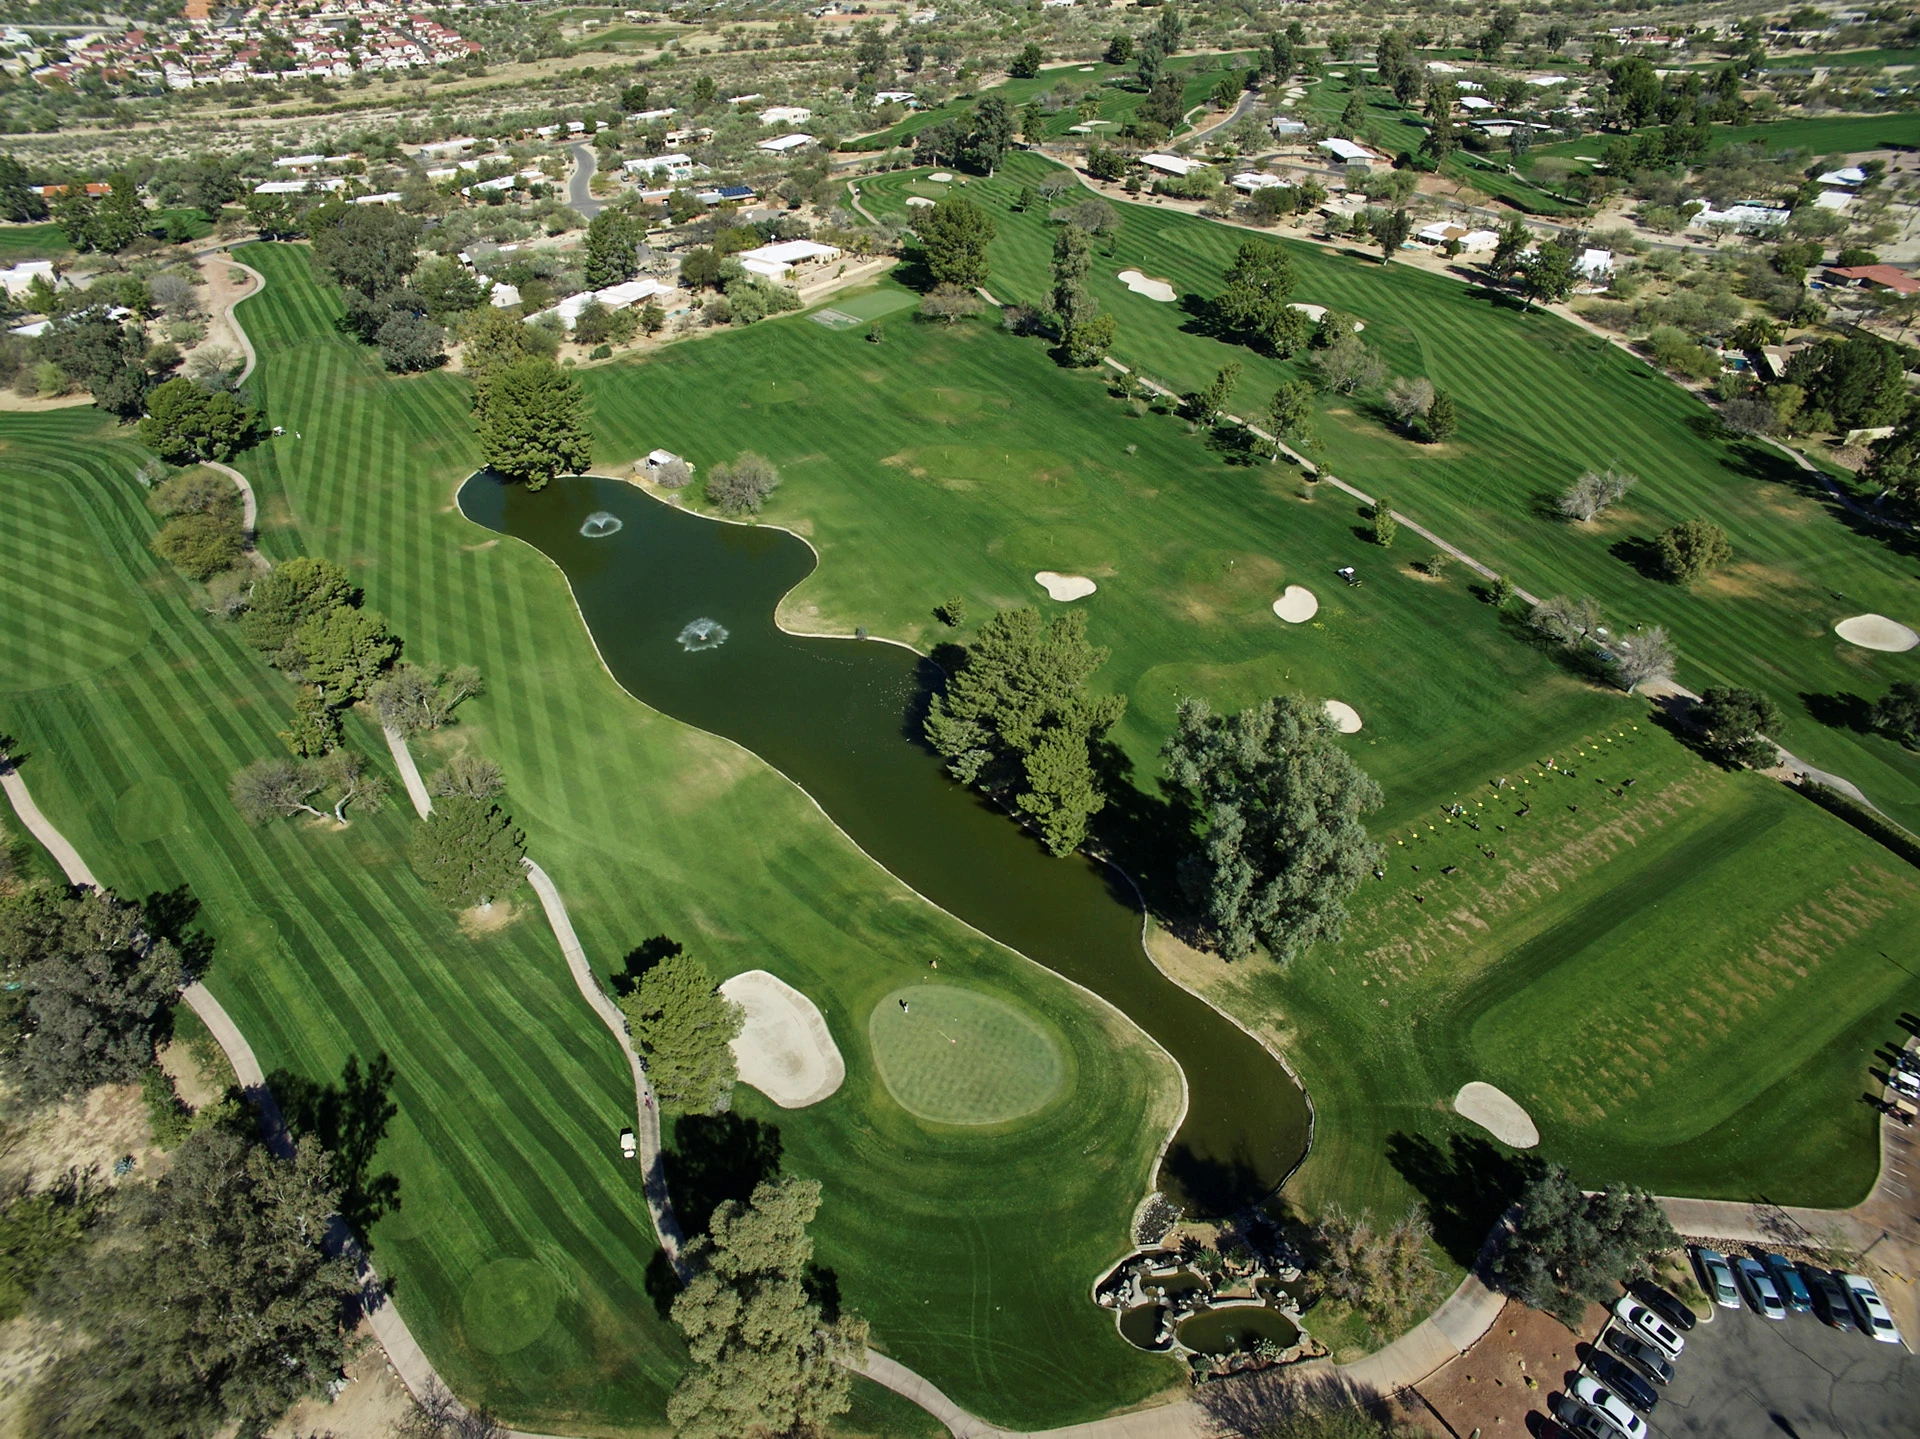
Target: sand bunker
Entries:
(1877, 632)
(1494, 1112)
(941, 177)
(1345, 717)
(1316, 313)
(1065, 587)
(784, 1049)
(1146, 285)
(1296, 605)
(919, 202)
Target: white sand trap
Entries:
(1877, 632)
(1345, 717)
(1296, 605)
(941, 177)
(919, 202)
(1146, 285)
(1496, 1113)
(1317, 313)
(1065, 587)
(784, 1049)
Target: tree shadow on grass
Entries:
(350, 1118)
(1840, 711)
(1642, 554)
(640, 959)
(1467, 1186)
(714, 1158)
(170, 914)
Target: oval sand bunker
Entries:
(1345, 717)
(1494, 1111)
(1146, 285)
(1065, 587)
(1296, 605)
(784, 1049)
(1877, 632)
(1317, 313)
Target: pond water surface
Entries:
(838, 717)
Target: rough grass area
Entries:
(511, 1095)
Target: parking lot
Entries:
(1746, 1377)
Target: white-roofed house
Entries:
(1475, 103)
(785, 115)
(897, 97)
(1594, 265)
(614, 297)
(775, 261)
(1247, 181)
(1850, 177)
(385, 197)
(785, 144)
(503, 295)
(674, 167)
(1348, 153)
(647, 117)
(1172, 164)
(299, 162)
(21, 276)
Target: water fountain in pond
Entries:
(703, 634)
(602, 523)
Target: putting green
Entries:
(957, 1056)
(875, 303)
(778, 392)
(509, 1304)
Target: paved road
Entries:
(579, 188)
(1745, 1377)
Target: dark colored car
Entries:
(1787, 1280)
(1666, 1306)
(1829, 1297)
(1624, 1380)
(1651, 1361)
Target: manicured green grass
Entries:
(650, 828)
(1818, 134)
(1116, 104)
(1539, 401)
(960, 460)
(509, 1095)
(1682, 983)
(44, 241)
(957, 1055)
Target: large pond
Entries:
(839, 717)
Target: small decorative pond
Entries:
(1144, 1328)
(1236, 1329)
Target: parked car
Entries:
(1717, 1275)
(1669, 1307)
(1609, 1406)
(1649, 1326)
(1787, 1280)
(1904, 1082)
(1624, 1380)
(1581, 1422)
(1652, 1362)
(1829, 1297)
(1868, 1309)
(1760, 1288)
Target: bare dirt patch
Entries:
(371, 1406)
(1500, 1386)
(487, 919)
(86, 1134)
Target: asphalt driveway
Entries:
(1745, 1377)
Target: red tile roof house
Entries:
(1876, 277)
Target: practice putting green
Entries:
(958, 1056)
(875, 303)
